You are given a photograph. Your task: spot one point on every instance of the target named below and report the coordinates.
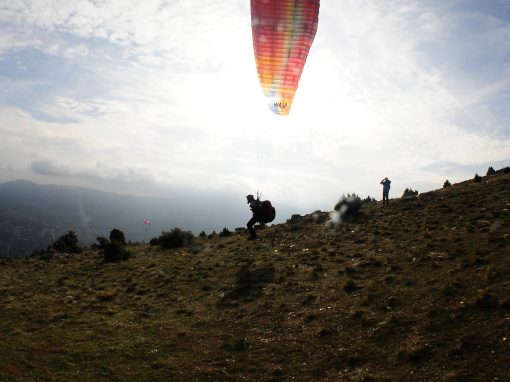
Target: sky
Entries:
(158, 97)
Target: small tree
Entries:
(67, 243)
(117, 235)
(348, 206)
(447, 184)
(103, 242)
(477, 178)
(369, 199)
(175, 238)
(409, 193)
(225, 232)
(115, 251)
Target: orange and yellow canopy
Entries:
(283, 32)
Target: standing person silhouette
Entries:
(386, 191)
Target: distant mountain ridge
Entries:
(32, 215)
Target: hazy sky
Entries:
(155, 96)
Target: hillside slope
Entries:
(418, 291)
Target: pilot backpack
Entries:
(267, 212)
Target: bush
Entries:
(103, 242)
(175, 238)
(447, 184)
(154, 241)
(490, 171)
(115, 248)
(348, 206)
(225, 232)
(67, 243)
(117, 235)
(477, 178)
(369, 199)
(409, 193)
(115, 251)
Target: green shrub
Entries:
(369, 199)
(409, 193)
(447, 184)
(477, 178)
(115, 251)
(225, 232)
(117, 235)
(103, 242)
(175, 238)
(348, 206)
(67, 243)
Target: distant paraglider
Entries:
(283, 32)
(147, 224)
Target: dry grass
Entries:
(418, 291)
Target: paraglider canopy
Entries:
(283, 32)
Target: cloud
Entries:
(50, 169)
(100, 171)
(468, 48)
(166, 93)
(154, 28)
(104, 176)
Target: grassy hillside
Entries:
(418, 291)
